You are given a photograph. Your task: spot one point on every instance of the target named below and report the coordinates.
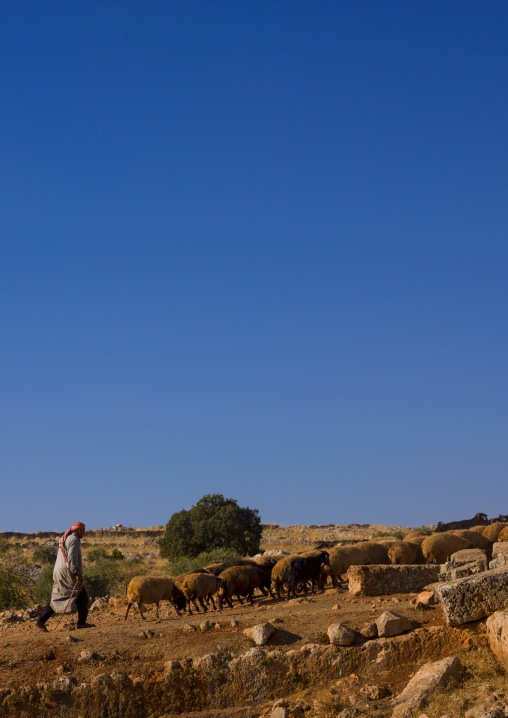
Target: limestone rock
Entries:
(464, 563)
(392, 624)
(205, 626)
(260, 633)
(340, 635)
(497, 631)
(280, 712)
(473, 597)
(89, 657)
(373, 692)
(379, 580)
(369, 631)
(499, 555)
(425, 599)
(427, 679)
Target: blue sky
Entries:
(257, 249)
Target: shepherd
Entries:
(69, 592)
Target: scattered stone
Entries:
(233, 623)
(217, 626)
(419, 688)
(379, 580)
(89, 657)
(369, 631)
(260, 633)
(425, 599)
(340, 635)
(373, 692)
(392, 624)
(473, 597)
(172, 666)
(336, 607)
(280, 712)
(189, 627)
(72, 639)
(205, 626)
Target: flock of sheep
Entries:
(241, 577)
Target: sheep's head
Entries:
(326, 558)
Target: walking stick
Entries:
(65, 609)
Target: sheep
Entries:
(341, 558)
(149, 589)
(200, 586)
(239, 580)
(405, 552)
(376, 552)
(293, 570)
(218, 568)
(412, 535)
(492, 532)
(465, 524)
(503, 536)
(476, 540)
(266, 563)
(439, 547)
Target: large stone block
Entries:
(422, 684)
(499, 555)
(382, 580)
(497, 630)
(464, 563)
(473, 597)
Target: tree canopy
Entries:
(213, 523)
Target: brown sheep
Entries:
(438, 548)
(298, 569)
(218, 568)
(503, 536)
(477, 540)
(492, 532)
(405, 552)
(416, 535)
(377, 553)
(239, 580)
(341, 558)
(149, 589)
(200, 586)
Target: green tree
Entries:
(213, 523)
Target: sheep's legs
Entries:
(127, 612)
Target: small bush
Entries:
(116, 554)
(41, 591)
(394, 534)
(96, 554)
(185, 564)
(45, 554)
(14, 583)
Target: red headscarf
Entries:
(61, 544)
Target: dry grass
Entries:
(483, 678)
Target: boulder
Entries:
(497, 631)
(260, 633)
(392, 624)
(473, 597)
(464, 563)
(426, 680)
(380, 580)
(340, 635)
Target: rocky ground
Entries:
(204, 665)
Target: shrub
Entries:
(96, 554)
(14, 583)
(394, 534)
(41, 591)
(183, 564)
(45, 554)
(116, 554)
(213, 523)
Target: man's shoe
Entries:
(85, 625)
(41, 625)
